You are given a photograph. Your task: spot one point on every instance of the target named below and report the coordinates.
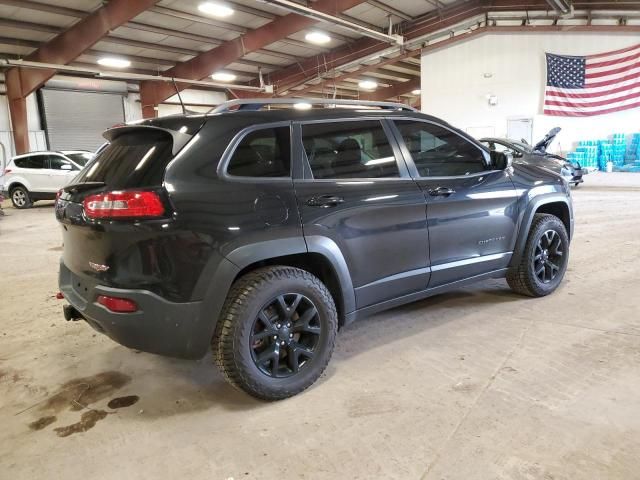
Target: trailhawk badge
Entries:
(99, 268)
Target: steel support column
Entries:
(17, 111)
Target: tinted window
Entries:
(262, 153)
(34, 161)
(56, 163)
(349, 150)
(135, 159)
(438, 152)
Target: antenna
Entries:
(175, 85)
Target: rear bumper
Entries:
(159, 326)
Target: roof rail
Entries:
(254, 104)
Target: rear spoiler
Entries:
(179, 139)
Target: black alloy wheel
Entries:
(542, 264)
(276, 332)
(285, 335)
(547, 259)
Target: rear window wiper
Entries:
(80, 187)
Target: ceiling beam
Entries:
(359, 71)
(37, 6)
(43, 7)
(71, 43)
(301, 72)
(63, 49)
(389, 9)
(451, 15)
(231, 51)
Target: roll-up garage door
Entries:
(76, 120)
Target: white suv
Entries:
(37, 176)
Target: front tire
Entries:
(276, 332)
(544, 260)
(20, 197)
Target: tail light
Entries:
(118, 305)
(129, 204)
(58, 193)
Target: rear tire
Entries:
(544, 260)
(20, 197)
(276, 332)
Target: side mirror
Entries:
(502, 160)
(66, 167)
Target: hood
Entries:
(543, 144)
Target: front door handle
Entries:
(325, 201)
(441, 191)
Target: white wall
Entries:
(454, 86)
(132, 107)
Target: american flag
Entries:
(593, 84)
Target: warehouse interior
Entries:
(472, 383)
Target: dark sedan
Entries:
(537, 155)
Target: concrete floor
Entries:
(478, 384)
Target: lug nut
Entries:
(278, 326)
(282, 343)
(288, 325)
(291, 335)
(275, 337)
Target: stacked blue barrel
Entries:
(622, 150)
(586, 154)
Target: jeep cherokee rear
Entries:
(259, 232)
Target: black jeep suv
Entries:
(259, 231)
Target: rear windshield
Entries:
(135, 159)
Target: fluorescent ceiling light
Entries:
(223, 77)
(319, 38)
(215, 9)
(416, 91)
(114, 62)
(368, 85)
(302, 106)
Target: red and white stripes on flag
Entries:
(593, 84)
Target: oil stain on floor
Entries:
(122, 402)
(78, 394)
(42, 422)
(87, 421)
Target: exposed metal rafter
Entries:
(231, 51)
(62, 49)
(321, 16)
(25, 64)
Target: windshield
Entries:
(522, 146)
(80, 158)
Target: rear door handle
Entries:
(441, 191)
(325, 201)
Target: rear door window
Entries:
(263, 153)
(349, 150)
(134, 159)
(33, 161)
